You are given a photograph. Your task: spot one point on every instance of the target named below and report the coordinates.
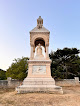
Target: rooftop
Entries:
(39, 27)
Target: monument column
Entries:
(47, 55)
(32, 54)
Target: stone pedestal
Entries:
(39, 68)
(39, 78)
(39, 85)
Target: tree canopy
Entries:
(65, 63)
(18, 69)
(2, 74)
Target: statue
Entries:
(39, 50)
(39, 54)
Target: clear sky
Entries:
(18, 17)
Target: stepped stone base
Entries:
(39, 85)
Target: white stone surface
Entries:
(39, 74)
(39, 85)
(39, 69)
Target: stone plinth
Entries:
(39, 85)
(39, 78)
(39, 68)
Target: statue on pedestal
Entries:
(39, 73)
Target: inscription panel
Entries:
(40, 69)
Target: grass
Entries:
(71, 97)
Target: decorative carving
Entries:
(39, 69)
(43, 36)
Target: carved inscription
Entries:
(39, 69)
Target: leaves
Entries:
(66, 63)
(2, 74)
(18, 69)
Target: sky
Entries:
(18, 17)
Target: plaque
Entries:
(39, 69)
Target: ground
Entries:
(71, 97)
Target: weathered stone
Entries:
(39, 74)
(39, 85)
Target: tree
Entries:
(65, 63)
(2, 74)
(18, 69)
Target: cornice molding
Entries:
(39, 61)
(39, 32)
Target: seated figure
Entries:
(39, 54)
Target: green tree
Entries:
(2, 74)
(66, 62)
(18, 69)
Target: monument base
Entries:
(39, 85)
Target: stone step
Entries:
(39, 82)
(48, 89)
(39, 85)
(38, 79)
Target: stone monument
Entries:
(39, 74)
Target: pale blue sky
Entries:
(18, 17)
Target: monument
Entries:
(39, 74)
